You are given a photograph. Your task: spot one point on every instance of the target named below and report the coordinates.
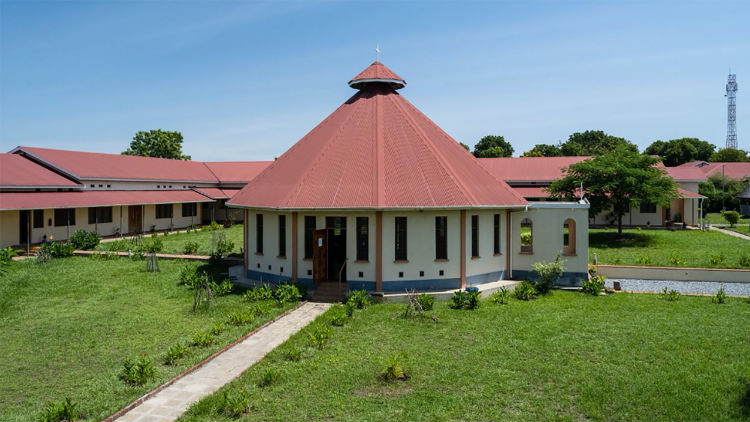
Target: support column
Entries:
(29, 217)
(245, 234)
(463, 249)
(120, 221)
(508, 245)
(294, 246)
(379, 251)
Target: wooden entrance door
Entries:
(135, 219)
(320, 256)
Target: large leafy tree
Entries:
(157, 143)
(594, 142)
(680, 151)
(721, 192)
(729, 155)
(617, 181)
(543, 150)
(493, 146)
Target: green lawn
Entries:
(66, 327)
(684, 248)
(717, 218)
(175, 242)
(565, 357)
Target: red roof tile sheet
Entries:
(236, 171)
(543, 169)
(38, 200)
(531, 191)
(376, 151)
(17, 171)
(376, 70)
(734, 170)
(686, 173)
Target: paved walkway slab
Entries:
(168, 404)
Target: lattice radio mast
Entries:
(731, 110)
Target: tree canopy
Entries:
(721, 192)
(682, 150)
(594, 142)
(466, 147)
(493, 146)
(157, 143)
(617, 181)
(543, 150)
(729, 155)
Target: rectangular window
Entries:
(282, 235)
(496, 234)
(190, 210)
(648, 208)
(309, 232)
(100, 215)
(66, 216)
(400, 238)
(475, 236)
(441, 237)
(38, 219)
(164, 210)
(259, 233)
(363, 244)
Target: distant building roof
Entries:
(236, 171)
(17, 172)
(40, 200)
(733, 170)
(528, 169)
(217, 193)
(376, 151)
(685, 174)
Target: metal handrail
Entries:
(341, 271)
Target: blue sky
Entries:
(245, 80)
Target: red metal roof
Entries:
(734, 170)
(17, 171)
(686, 173)
(38, 200)
(236, 171)
(376, 151)
(542, 169)
(217, 193)
(531, 191)
(682, 193)
(377, 70)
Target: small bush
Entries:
(137, 373)
(258, 293)
(732, 217)
(222, 289)
(426, 301)
(151, 245)
(223, 249)
(349, 308)
(720, 297)
(81, 239)
(235, 405)
(202, 339)
(547, 274)
(58, 249)
(190, 248)
(240, 318)
(286, 293)
(217, 329)
(594, 285)
(338, 316)
(717, 259)
(174, 354)
(189, 276)
(268, 377)
(744, 260)
(319, 336)
(359, 298)
(459, 299)
(214, 226)
(501, 296)
(259, 309)
(525, 291)
(293, 354)
(394, 369)
(670, 295)
(64, 411)
(43, 256)
(643, 260)
(676, 260)
(472, 301)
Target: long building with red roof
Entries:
(378, 196)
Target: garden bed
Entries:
(68, 325)
(568, 356)
(175, 242)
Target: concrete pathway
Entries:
(731, 233)
(168, 404)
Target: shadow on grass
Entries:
(612, 240)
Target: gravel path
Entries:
(681, 286)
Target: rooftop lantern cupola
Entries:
(377, 73)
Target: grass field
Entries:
(717, 218)
(175, 242)
(66, 327)
(565, 357)
(681, 248)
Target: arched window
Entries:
(527, 236)
(569, 237)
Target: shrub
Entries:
(501, 296)
(214, 226)
(286, 293)
(744, 260)
(235, 405)
(190, 248)
(732, 217)
(174, 354)
(426, 301)
(338, 316)
(217, 329)
(223, 288)
(547, 274)
(202, 339)
(359, 298)
(240, 318)
(394, 369)
(525, 291)
(43, 256)
(717, 259)
(594, 285)
(293, 354)
(319, 336)
(349, 308)
(268, 377)
(81, 239)
(223, 249)
(720, 297)
(258, 293)
(459, 299)
(670, 295)
(137, 373)
(259, 309)
(472, 301)
(189, 276)
(676, 260)
(58, 249)
(153, 245)
(643, 260)
(64, 411)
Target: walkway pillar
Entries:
(379, 251)
(294, 246)
(463, 249)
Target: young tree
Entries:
(493, 146)
(617, 180)
(729, 155)
(543, 150)
(594, 142)
(157, 143)
(680, 151)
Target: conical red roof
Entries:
(376, 151)
(377, 73)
